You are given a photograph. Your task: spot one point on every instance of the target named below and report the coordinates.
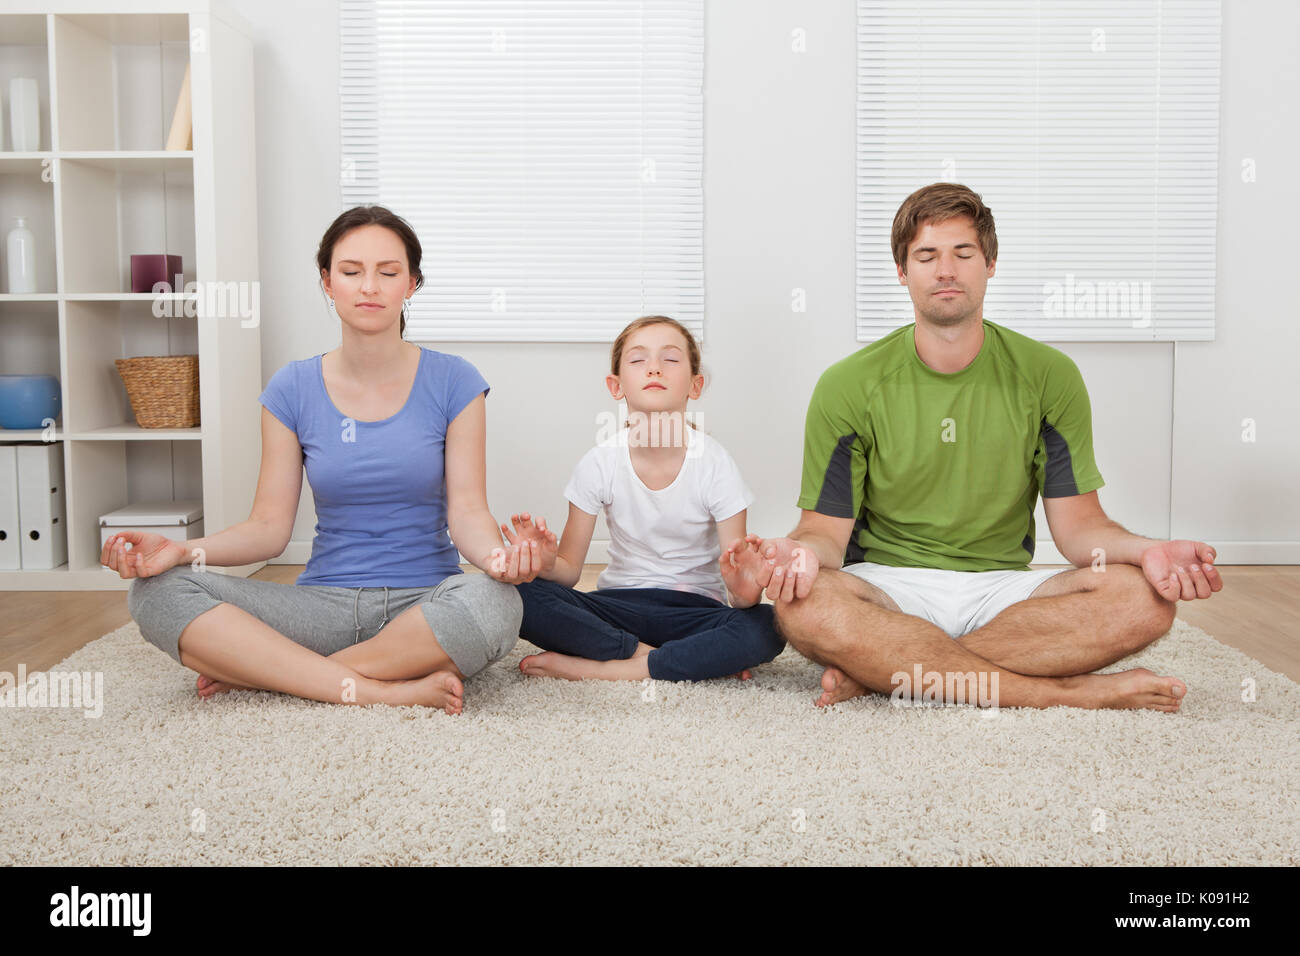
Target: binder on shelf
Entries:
(10, 548)
(42, 521)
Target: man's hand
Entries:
(792, 567)
(535, 537)
(1182, 570)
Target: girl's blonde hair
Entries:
(620, 343)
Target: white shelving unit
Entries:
(101, 189)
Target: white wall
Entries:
(779, 195)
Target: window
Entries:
(547, 154)
(1091, 131)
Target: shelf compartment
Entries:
(24, 51)
(30, 333)
(24, 192)
(107, 475)
(99, 331)
(116, 208)
(118, 77)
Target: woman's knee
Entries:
(153, 603)
(150, 594)
(476, 621)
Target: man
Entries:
(924, 454)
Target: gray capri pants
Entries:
(474, 617)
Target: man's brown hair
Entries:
(936, 203)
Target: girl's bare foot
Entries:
(837, 687)
(554, 664)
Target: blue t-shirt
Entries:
(381, 497)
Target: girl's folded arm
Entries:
(574, 543)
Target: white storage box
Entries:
(178, 520)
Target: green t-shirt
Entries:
(943, 471)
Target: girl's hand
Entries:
(150, 554)
(744, 571)
(525, 531)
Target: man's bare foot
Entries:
(554, 664)
(837, 687)
(441, 689)
(1128, 690)
(744, 675)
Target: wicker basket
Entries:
(163, 389)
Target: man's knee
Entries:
(806, 623)
(1151, 616)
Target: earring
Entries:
(406, 309)
(331, 305)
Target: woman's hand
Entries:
(150, 554)
(744, 571)
(542, 543)
(531, 551)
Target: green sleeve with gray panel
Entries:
(944, 470)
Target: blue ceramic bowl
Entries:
(27, 400)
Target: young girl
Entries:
(670, 493)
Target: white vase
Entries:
(21, 249)
(24, 115)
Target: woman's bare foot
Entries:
(441, 689)
(837, 687)
(553, 664)
(1128, 690)
(208, 687)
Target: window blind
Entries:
(1091, 131)
(547, 154)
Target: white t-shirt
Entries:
(666, 538)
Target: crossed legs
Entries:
(1042, 649)
(232, 648)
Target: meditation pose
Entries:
(924, 455)
(670, 495)
(392, 439)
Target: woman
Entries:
(382, 613)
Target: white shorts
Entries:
(955, 601)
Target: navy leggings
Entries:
(695, 637)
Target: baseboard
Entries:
(1045, 552)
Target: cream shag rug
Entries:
(544, 771)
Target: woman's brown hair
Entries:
(359, 216)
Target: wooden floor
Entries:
(1257, 612)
